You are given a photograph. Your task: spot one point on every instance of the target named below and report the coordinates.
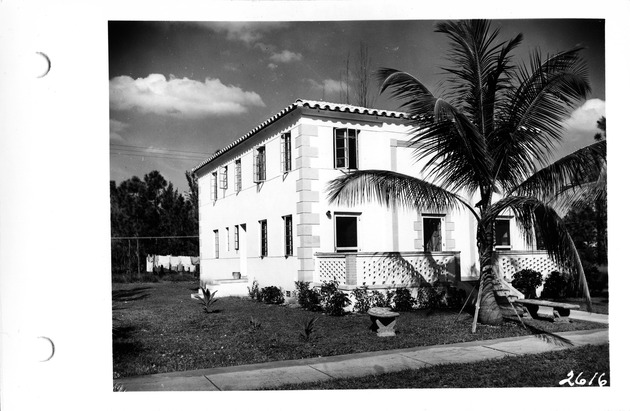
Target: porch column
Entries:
(351, 269)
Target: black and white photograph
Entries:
(246, 205)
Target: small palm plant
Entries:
(308, 328)
(207, 299)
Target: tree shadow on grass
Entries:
(133, 294)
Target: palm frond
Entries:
(417, 100)
(569, 175)
(480, 67)
(389, 188)
(533, 121)
(534, 216)
(455, 153)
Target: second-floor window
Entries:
(259, 165)
(223, 178)
(236, 239)
(345, 147)
(215, 185)
(237, 175)
(285, 152)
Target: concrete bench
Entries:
(383, 321)
(561, 311)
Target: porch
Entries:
(415, 268)
(386, 269)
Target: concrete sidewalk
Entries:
(274, 374)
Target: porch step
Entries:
(228, 287)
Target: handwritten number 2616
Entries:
(582, 381)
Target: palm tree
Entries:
(490, 137)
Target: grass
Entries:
(537, 370)
(159, 328)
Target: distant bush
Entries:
(526, 281)
(272, 295)
(403, 301)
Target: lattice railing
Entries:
(330, 268)
(411, 268)
(512, 262)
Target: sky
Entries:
(179, 91)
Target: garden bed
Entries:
(159, 328)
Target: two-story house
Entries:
(264, 215)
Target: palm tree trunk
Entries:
(489, 310)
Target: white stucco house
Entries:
(263, 211)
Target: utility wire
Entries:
(149, 238)
(161, 149)
(153, 156)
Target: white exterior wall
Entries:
(302, 194)
(271, 200)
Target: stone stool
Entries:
(383, 321)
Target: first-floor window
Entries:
(502, 234)
(346, 238)
(236, 239)
(227, 238)
(263, 238)
(216, 243)
(432, 237)
(288, 235)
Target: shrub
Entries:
(254, 292)
(208, 299)
(254, 325)
(327, 290)
(362, 297)
(307, 297)
(557, 285)
(308, 328)
(431, 297)
(272, 295)
(378, 299)
(526, 281)
(403, 301)
(336, 303)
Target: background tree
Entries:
(151, 207)
(491, 132)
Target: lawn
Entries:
(159, 328)
(537, 370)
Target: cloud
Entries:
(582, 125)
(247, 32)
(115, 129)
(272, 66)
(180, 97)
(329, 87)
(285, 56)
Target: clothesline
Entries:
(169, 262)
